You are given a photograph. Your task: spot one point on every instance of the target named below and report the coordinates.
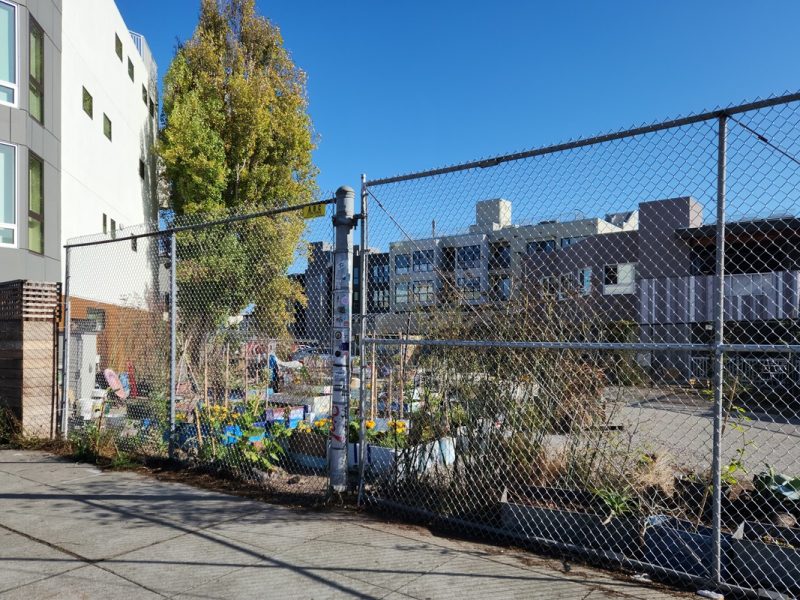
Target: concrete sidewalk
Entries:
(68, 530)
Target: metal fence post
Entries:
(65, 350)
(719, 321)
(362, 349)
(173, 297)
(343, 222)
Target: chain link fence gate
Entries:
(593, 347)
(198, 341)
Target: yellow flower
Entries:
(303, 427)
(370, 424)
(397, 426)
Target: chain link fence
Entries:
(593, 347)
(590, 347)
(193, 339)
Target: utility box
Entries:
(82, 364)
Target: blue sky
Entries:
(402, 86)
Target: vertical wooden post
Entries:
(205, 373)
(389, 397)
(402, 376)
(245, 372)
(227, 369)
(373, 386)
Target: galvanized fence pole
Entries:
(719, 354)
(65, 350)
(343, 222)
(173, 303)
(362, 347)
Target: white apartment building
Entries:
(78, 118)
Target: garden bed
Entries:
(384, 462)
(570, 517)
(765, 556)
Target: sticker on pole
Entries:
(314, 211)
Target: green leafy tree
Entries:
(237, 138)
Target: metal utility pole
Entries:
(173, 313)
(65, 350)
(719, 367)
(343, 222)
(362, 347)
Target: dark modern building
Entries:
(651, 269)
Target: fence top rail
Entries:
(591, 141)
(621, 346)
(233, 219)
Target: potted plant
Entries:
(353, 445)
(385, 447)
(308, 444)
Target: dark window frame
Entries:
(406, 288)
(32, 215)
(109, 133)
(118, 47)
(36, 83)
(609, 275)
(468, 257)
(497, 291)
(500, 255)
(545, 246)
(407, 268)
(429, 293)
(131, 71)
(428, 257)
(380, 298)
(470, 287)
(585, 280)
(88, 97)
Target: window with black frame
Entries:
(402, 264)
(468, 257)
(35, 204)
(423, 261)
(36, 84)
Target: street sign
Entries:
(314, 211)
